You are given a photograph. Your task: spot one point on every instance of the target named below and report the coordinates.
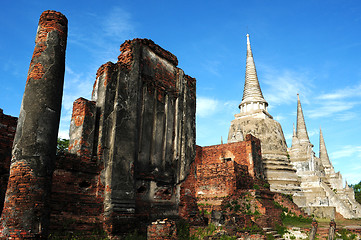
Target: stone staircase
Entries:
(270, 231)
(341, 207)
(322, 233)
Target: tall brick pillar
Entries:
(26, 207)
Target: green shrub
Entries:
(182, 230)
(204, 232)
(281, 230)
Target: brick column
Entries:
(82, 127)
(26, 207)
(331, 230)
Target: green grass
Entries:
(345, 234)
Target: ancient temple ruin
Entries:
(312, 181)
(132, 155)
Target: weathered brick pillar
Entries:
(82, 128)
(313, 230)
(26, 207)
(331, 230)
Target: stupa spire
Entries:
(252, 93)
(294, 131)
(301, 131)
(323, 153)
(294, 136)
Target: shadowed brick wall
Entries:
(7, 134)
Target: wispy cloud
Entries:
(352, 155)
(347, 116)
(212, 66)
(283, 85)
(313, 132)
(101, 42)
(339, 104)
(352, 176)
(207, 106)
(347, 92)
(77, 84)
(330, 108)
(346, 152)
(118, 24)
(279, 118)
(288, 136)
(104, 36)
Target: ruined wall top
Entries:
(51, 20)
(149, 43)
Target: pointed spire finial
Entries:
(294, 137)
(301, 130)
(323, 153)
(252, 91)
(294, 130)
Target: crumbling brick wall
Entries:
(286, 202)
(224, 168)
(162, 230)
(7, 133)
(219, 171)
(140, 127)
(76, 196)
(228, 179)
(77, 190)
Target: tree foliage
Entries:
(62, 146)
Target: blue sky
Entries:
(308, 47)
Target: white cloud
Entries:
(331, 108)
(346, 152)
(212, 66)
(346, 116)
(282, 86)
(279, 118)
(77, 84)
(352, 176)
(102, 38)
(339, 104)
(288, 136)
(207, 106)
(118, 24)
(313, 132)
(63, 134)
(348, 92)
